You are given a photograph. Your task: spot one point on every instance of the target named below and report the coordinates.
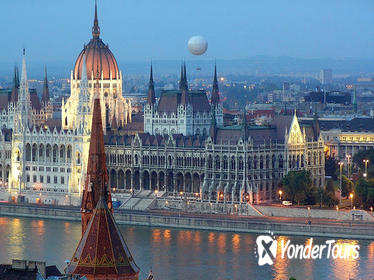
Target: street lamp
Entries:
(348, 165)
(351, 197)
(340, 181)
(280, 195)
(366, 161)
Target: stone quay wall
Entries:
(174, 220)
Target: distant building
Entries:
(326, 76)
(346, 137)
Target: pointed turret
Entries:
(102, 252)
(45, 97)
(181, 81)
(215, 91)
(96, 28)
(96, 183)
(84, 80)
(151, 99)
(14, 96)
(24, 83)
(244, 126)
(213, 126)
(23, 103)
(185, 76)
(316, 127)
(183, 86)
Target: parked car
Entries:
(286, 203)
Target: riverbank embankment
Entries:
(279, 226)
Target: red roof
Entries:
(102, 251)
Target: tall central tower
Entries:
(97, 57)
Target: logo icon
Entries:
(266, 249)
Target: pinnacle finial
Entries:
(151, 99)
(96, 28)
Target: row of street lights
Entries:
(365, 161)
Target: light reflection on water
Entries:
(182, 254)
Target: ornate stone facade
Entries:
(182, 111)
(98, 62)
(232, 164)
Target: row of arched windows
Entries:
(261, 162)
(50, 153)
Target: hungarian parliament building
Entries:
(183, 146)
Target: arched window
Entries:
(28, 152)
(218, 163)
(249, 163)
(280, 161)
(78, 158)
(136, 159)
(210, 162)
(225, 162)
(68, 154)
(240, 163)
(255, 162)
(233, 163)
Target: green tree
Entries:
(331, 166)
(347, 186)
(298, 187)
(361, 192)
(360, 156)
(330, 187)
(328, 194)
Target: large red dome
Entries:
(98, 57)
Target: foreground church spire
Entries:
(102, 252)
(96, 183)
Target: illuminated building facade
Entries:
(232, 164)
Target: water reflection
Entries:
(344, 268)
(280, 264)
(181, 254)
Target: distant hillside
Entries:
(258, 65)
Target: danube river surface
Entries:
(182, 254)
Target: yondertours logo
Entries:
(268, 247)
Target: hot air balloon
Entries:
(197, 45)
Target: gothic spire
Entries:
(181, 81)
(185, 76)
(215, 90)
(17, 75)
(96, 184)
(14, 96)
(244, 125)
(151, 99)
(183, 86)
(45, 97)
(23, 102)
(213, 126)
(96, 28)
(24, 82)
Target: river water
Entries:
(182, 254)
